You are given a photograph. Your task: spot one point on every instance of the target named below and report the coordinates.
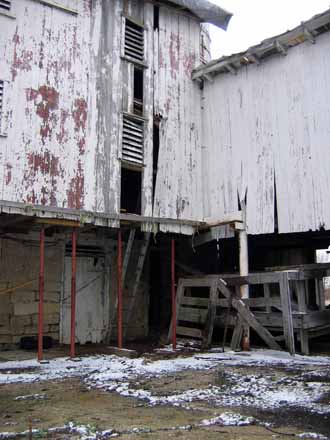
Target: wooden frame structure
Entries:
(284, 305)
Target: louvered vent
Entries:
(132, 147)
(1, 100)
(134, 41)
(5, 4)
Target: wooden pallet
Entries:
(195, 315)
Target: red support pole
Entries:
(73, 294)
(120, 291)
(41, 295)
(173, 294)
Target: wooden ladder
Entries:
(144, 246)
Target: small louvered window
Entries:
(1, 101)
(5, 4)
(134, 41)
(132, 145)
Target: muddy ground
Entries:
(68, 401)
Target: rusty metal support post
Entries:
(173, 294)
(41, 294)
(120, 291)
(73, 293)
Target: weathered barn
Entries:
(113, 118)
(100, 126)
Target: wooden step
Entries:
(193, 301)
(190, 314)
(189, 332)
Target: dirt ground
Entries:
(70, 401)
(59, 402)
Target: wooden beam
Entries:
(225, 220)
(287, 312)
(58, 222)
(248, 317)
(12, 220)
(244, 271)
(210, 317)
(179, 294)
(281, 48)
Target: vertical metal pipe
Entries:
(41, 294)
(120, 291)
(73, 293)
(173, 294)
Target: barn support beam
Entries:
(244, 271)
(73, 294)
(173, 292)
(120, 291)
(41, 294)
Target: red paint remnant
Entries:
(49, 101)
(22, 59)
(31, 94)
(75, 193)
(44, 193)
(189, 63)
(45, 163)
(46, 100)
(80, 114)
(8, 173)
(31, 198)
(82, 145)
(174, 54)
(62, 136)
(48, 166)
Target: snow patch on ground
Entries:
(32, 397)
(121, 375)
(228, 419)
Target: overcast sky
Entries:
(255, 20)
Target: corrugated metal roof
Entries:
(279, 44)
(206, 11)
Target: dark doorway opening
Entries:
(138, 91)
(156, 18)
(155, 157)
(130, 199)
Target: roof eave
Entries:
(207, 12)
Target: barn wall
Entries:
(178, 192)
(66, 86)
(270, 123)
(62, 109)
(19, 264)
(96, 312)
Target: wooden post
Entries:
(244, 271)
(120, 291)
(287, 312)
(173, 294)
(73, 293)
(41, 294)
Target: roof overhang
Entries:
(206, 11)
(307, 31)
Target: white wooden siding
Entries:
(271, 123)
(178, 192)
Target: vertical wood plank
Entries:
(287, 312)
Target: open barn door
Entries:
(92, 305)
